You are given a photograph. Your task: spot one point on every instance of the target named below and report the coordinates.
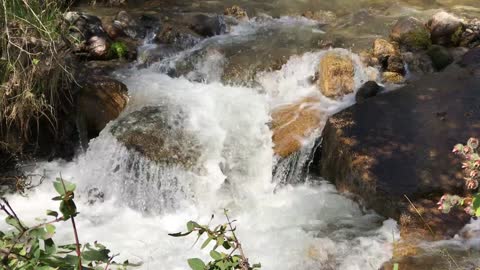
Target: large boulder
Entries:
(158, 133)
(398, 146)
(100, 101)
(445, 29)
(292, 124)
(411, 33)
(336, 75)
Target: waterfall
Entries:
(130, 203)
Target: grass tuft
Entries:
(34, 74)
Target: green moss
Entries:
(417, 39)
(457, 35)
(118, 49)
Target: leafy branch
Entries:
(33, 248)
(224, 236)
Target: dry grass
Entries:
(35, 76)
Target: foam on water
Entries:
(303, 227)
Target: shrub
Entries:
(222, 236)
(471, 168)
(33, 248)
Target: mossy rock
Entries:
(418, 39)
(440, 56)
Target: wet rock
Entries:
(395, 64)
(368, 90)
(88, 29)
(98, 47)
(392, 77)
(321, 16)
(127, 24)
(336, 75)
(471, 36)
(113, 30)
(397, 144)
(418, 62)
(208, 26)
(236, 12)
(158, 133)
(178, 37)
(411, 33)
(440, 56)
(291, 124)
(471, 59)
(445, 29)
(100, 100)
(384, 49)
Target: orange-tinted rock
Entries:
(336, 75)
(292, 123)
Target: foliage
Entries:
(471, 168)
(33, 248)
(34, 74)
(118, 49)
(222, 236)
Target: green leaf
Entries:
(59, 186)
(191, 226)
(52, 213)
(68, 209)
(205, 244)
(220, 240)
(395, 266)
(179, 234)
(35, 61)
(50, 247)
(196, 264)
(216, 255)
(226, 245)
(12, 221)
(94, 255)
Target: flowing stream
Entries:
(131, 204)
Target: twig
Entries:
(245, 265)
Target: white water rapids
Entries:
(308, 226)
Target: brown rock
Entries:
(101, 100)
(411, 33)
(395, 64)
(445, 29)
(383, 48)
(392, 77)
(336, 75)
(292, 123)
(237, 12)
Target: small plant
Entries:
(33, 248)
(221, 236)
(118, 49)
(471, 167)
